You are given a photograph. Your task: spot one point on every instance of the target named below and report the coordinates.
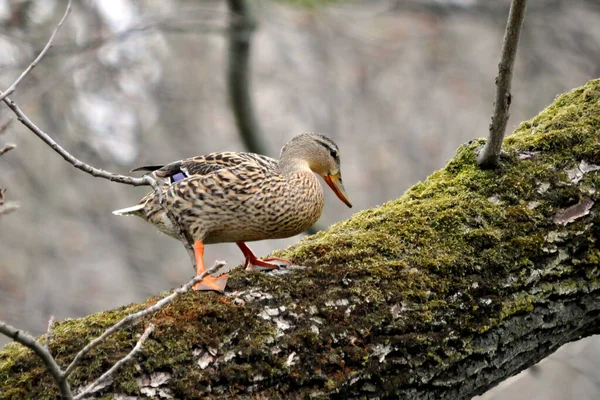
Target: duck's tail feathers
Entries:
(135, 210)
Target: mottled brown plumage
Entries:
(241, 197)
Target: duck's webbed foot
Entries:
(209, 282)
(253, 263)
(212, 283)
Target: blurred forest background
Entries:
(399, 85)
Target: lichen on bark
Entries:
(463, 281)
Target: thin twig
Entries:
(31, 66)
(146, 180)
(91, 388)
(134, 317)
(29, 341)
(49, 334)
(7, 147)
(488, 158)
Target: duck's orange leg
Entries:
(252, 262)
(209, 282)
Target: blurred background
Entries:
(399, 85)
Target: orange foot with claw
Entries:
(209, 282)
(253, 263)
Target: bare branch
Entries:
(29, 341)
(134, 317)
(242, 25)
(488, 158)
(146, 180)
(49, 334)
(7, 147)
(31, 66)
(94, 386)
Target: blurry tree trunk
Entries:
(241, 29)
(468, 278)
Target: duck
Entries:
(238, 197)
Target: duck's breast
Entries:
(230, 209)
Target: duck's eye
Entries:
(333, 153)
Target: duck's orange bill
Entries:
(335, 183)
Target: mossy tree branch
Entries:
(43, 353)
(61, 378)
(488, 158)
(470, 277)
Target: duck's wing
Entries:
(207, 164)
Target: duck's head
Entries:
(319, 154)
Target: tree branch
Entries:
(47, 47)
(61, 377)
(7, 147)
(131, 318)
(488, 158)
(467, 279)
(42, 352)
(146, 180)
(94, 386)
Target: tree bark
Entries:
(468, 278)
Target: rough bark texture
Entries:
(468, 278)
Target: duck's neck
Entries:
(289, 165)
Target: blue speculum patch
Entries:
(177, 177)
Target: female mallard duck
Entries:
(242, 197)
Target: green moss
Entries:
(456, 255)
(522, 302)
